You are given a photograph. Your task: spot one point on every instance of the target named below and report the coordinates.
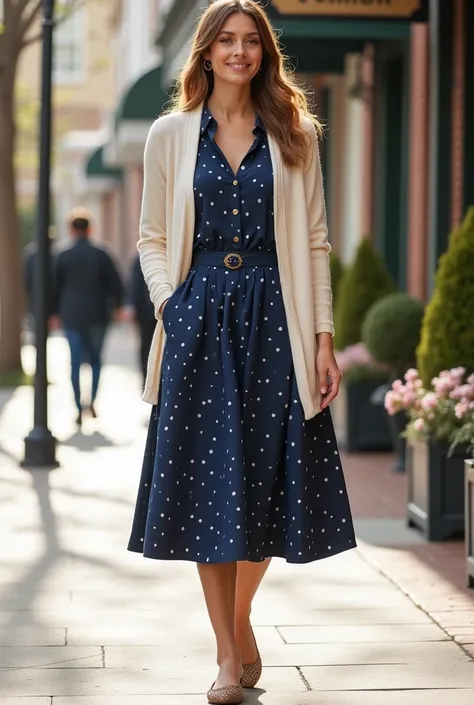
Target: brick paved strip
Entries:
(461, 618)
(425, 585)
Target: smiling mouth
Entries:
(238, 67)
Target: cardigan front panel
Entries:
(300, 235)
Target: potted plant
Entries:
(464, 436)
(391, 333)
(469, 521)
(435, 463)
(361, 427)
(446, 343)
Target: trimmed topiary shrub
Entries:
(447, 335)
(362, 284)
(337, 272)
(391, 331)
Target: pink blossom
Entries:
(353, 356)
(443, 384)
(397, 385)
(392, 402)
(419, 425)
(457, 373)
(411, 375)
(429, 401)
(461, 409)
(465, 391)
(409, 398)
(470, 379)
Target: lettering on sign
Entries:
(349, 8)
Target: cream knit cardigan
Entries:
(167, 233)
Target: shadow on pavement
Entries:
(87, 442)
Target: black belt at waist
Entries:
(235, 260)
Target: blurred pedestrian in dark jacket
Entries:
(143, 312)
(29, 260)
(87, 290)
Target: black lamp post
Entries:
(40, 445)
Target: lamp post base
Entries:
(40, 449)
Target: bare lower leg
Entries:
(249, 577)
(218, 584)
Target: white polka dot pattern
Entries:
(232, 471)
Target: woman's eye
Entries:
(226, 40)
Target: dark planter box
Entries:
(435, 489)
(469, 472)
(367, 427)
(397, 425)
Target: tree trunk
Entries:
(11, 290)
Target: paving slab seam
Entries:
(303, 678)
(370, 560)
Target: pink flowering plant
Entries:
(355, 361)
(445, 412)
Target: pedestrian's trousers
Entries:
(86, 346)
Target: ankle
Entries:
(229, 656)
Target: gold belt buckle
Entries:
(233, 260)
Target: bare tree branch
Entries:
(73, 5)
(28, 20)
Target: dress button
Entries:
(236, 239)
(235, 211)
(235, 182)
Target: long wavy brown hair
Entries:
(276, 97)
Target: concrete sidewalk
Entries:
(84, 622)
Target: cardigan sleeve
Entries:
(318, 236)
(152, 242)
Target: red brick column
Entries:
(367, 224)
(418, 163)
(457, 160)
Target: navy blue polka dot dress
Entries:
(232, 471)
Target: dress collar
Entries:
(209, 122)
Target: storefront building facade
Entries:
(394, 83)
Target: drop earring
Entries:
(207, 65)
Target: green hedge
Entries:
(391, 331)
(447, 336)
(363, 283)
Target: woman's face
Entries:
(236, 54)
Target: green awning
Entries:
(95, 167)
(143, 100)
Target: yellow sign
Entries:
(349, 8)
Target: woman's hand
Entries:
(328, 372)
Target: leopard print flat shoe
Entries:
(252, 673)
(229, 695)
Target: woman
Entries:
(241, 461)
